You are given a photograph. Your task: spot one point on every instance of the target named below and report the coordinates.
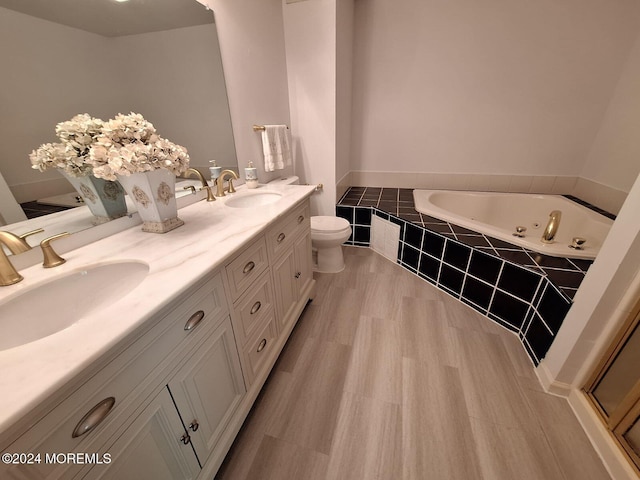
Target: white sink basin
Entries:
(52, 306)
(257, 199)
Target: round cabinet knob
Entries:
(263, 343)
(301, 219)
(281, 237)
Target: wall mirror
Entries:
(160, 58)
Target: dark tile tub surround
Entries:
(526, 292)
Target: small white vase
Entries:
(104, 198)
(154, 194)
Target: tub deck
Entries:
(565, 273)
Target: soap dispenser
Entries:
(215, 170)
(251, 176)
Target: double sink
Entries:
(68, 299)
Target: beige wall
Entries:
(485, 87)
(169, 77)
(43, 83)
(251, 35)
(614, 159)
(310, 32)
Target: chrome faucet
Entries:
(220, 182)
(205, 185)
(552, 227)
(16, 244)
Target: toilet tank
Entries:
(290, 180)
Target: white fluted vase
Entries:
(104, 198)
(154, 195)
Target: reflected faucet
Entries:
(16, 244)
(220, 182)
(552, 227)
(205, 185)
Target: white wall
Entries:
(485, 87)
(251, 35)
(614, 159)
(310, 33)
(344, 74)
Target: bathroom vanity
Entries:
(157, 383)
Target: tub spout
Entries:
(552, 227)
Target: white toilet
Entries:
(327, 236)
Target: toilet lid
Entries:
(328, 224)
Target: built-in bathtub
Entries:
(498, 215)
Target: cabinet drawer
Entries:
(258, 350)
(98, 409)
(280, 237)
(246, 267)
(253, 308)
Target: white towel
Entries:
(275, 145)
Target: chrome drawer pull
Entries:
(194, 426)
(186, 439)
(281, 237)
(300, 218)
(263, 344)
(194, 320)
(248, 267)
(93, 418)
(255, 308)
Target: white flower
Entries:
(76, 137)
(129, 144)
(123, 145)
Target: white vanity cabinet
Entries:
(289, 243)
(106, 410)
(179, 429)
(167, 400)
(253, 310)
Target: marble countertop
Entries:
(212, 233)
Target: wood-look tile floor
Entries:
(386, 377)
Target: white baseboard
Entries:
(549, 384)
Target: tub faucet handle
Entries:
(519, 231)
(577, 243)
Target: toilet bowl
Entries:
(327, 236)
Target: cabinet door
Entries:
(208, 388)
(304, 266)
(286, 289)
(152, 447)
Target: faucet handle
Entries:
(231, 187)
(32, 232)
(50, 257)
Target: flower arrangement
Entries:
(129, 144)
(123, 145)
(71, 154)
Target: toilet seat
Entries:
(328, 224)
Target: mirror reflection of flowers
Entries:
(129, 144)
(71, 154)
